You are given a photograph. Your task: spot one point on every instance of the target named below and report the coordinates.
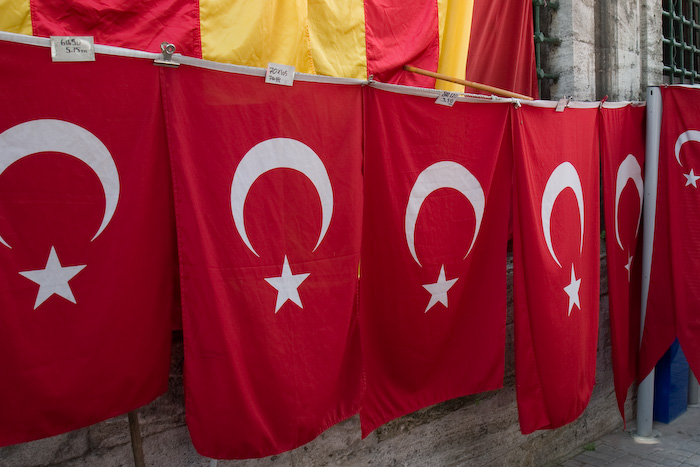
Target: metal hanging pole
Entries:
(136, 443)
(693, 390)
(645, 390)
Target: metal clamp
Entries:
(166, 56)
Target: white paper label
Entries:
(72, 49)
(561, 105)
(280, 74)
(447, 98)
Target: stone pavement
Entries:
(677, 443)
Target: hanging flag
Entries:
(255, 33)
(352, 39)
(622, 146)
(462, 39)
(674, 286)
(87, 246)
(433, 291)
(498, 58)
(556, 263)
(268, 197)
(124, 23)
(398, 33)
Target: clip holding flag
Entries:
(166, 59)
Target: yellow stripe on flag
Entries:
(442, 11)
(337, 30)
(454, 43)
(254, 33)
(15, 16)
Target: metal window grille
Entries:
(681, 40)
(541, 13)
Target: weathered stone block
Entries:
(47, 451)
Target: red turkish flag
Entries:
(268, 197)
(622, 142)
(674, 286)
(87, 245)
(433, 290)
(556, 263)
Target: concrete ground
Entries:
(675, 444)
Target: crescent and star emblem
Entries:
(58, 136)
(281, 153)
(629, 170)
(690, 135)
(445, 174)
(564, 176)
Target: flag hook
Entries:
(166, 55)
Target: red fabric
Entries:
(398, 33)
(674, 287)
(555, 337)
(123, 23)
(261, 380)
(501, 49)
(419, 350)
(622, 144)
(66, 365)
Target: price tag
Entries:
(280, 74)
(447, 98)
(72, 49)
(561, 105)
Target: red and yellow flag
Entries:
(480, 40)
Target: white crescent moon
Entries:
(443, 174)
(48, 135)
(629, 170)
(279, 153)
(564, 176)
(690, 135)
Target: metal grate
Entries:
(681, 40)
(541, 10)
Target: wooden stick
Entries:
(464, 82)
(136, 443)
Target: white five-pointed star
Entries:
(691, 178)
(628, 266)
(438, 290)
(572, 291)
(287, 285)
(53, 279)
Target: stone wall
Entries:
(477, 430)
(608, 48)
